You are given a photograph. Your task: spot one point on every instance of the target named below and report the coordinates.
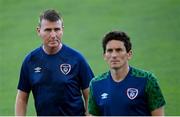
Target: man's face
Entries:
(51, 33)
(116, 55)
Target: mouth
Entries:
(114, 62)
(53, 41)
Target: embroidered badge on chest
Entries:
(132, 93)
(65, 68)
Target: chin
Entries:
(115, 67)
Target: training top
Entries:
(56, 81)
(137, 95)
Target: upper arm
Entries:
(158, 112)
(21, 103)
(85, 93)
(22, 97)
(85, 96)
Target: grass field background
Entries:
(153, 25)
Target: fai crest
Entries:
(132, 93)
(65, 68)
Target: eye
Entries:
(119, 49)
(48, 30)
(57, 29)
(109, 50)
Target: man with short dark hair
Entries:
(124, 90)
(56, 74)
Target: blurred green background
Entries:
(153, 25)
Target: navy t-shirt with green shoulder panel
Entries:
(137, 95)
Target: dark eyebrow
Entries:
(118, 49)
(50, 29)
(47, 29)
(109, 50)
(57, 29)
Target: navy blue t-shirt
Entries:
(137, 95)
(56, 81)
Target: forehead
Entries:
(46, 23)
(115, 44)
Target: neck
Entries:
(119, 74)
(51, 51)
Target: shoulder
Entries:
(151, 79)
(100, 77)
(72, 53)
(33, 54)
(140, 73)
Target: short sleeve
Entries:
(92, 106)
(24, 84)
(85, 73)
(154, 93)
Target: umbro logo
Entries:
(104, 96)
(37, 69)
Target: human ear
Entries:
(130, 53)
(38, 30)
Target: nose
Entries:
(53, 34)
(114, 54)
